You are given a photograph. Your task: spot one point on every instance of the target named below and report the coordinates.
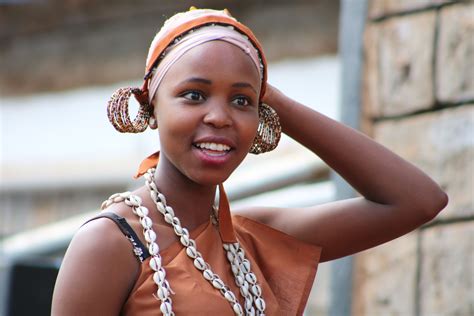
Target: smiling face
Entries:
(207, 112)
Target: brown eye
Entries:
(242, 101)
(193, 96)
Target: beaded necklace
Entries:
(245, 279)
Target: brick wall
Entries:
(419, 101)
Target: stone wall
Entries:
(419, 101)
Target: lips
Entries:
(214, 149)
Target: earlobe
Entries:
(152, 123)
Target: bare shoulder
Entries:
(97, 273)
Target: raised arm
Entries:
(396, 197)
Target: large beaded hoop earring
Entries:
(117, 111)
(268, 131)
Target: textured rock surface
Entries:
(379, 8)
(455, 54)
(442, 144)
(370, 93)
(447, 270)
(405, 49)
(385, 278)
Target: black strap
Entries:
(139, 249)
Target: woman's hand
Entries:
(397, 196)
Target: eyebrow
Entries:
(209, 82)
(243, 85)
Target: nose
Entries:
(218, 115)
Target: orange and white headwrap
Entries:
(195, 38)
(186, 30)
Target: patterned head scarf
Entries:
(186, 30)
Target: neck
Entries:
(191, 202)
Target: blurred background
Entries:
(401, 71)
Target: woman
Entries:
(205, 88)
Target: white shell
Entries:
(154, 195)
(230, 296)
(155, 263)
(251, 278)
(226, 246)
(241, 254)
(235, 269)
(141, 211)
(162, 198)
(237, 309)
(260, 303)
(248, 303)
(133, 200)
(244, 289)
(239, 280)
(118, 199)
(217, 283)
(150, 235)
(199, 263)
(169, 210)
(184, 239)
(256, 290)
(251, 312)
(125, 195)
(208, 274)
(153, 186)
(162, 293)
(245, 266)
(165, 308)
(161, 208)
(176, 221)
(230, 256)
(159, 276)
(146, 222)
(178, 230)
(153, 249)
(168, 218)
(191, 252)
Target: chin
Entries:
(210, 179)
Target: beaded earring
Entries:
(268, 131)
(117, 110)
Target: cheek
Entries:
(250, 127)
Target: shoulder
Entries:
(263, 215)
(97, 273)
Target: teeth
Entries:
(213, 146)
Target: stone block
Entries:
(370, 90)
(405, 55)
(441, 144)
(385, 278)
(455, 54)
(447, 270)
(382, 8)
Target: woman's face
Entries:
(207, 112)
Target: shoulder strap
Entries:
(139, 248)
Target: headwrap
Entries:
(183, 25)
(195, 38)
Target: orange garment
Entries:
(285, 268)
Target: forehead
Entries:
(216, 59)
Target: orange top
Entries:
(285, 268)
